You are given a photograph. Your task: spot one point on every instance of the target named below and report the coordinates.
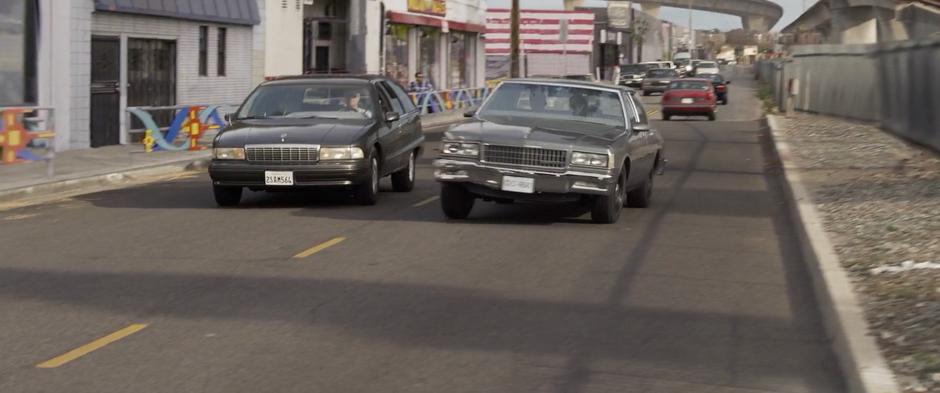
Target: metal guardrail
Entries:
(447, 100)
(24, 127)
(191, 121)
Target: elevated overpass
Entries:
(758, 15)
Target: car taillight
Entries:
(721, 87)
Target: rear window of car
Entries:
(662, 73)
(688, 85)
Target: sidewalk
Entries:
(878, 199)
(80, 168)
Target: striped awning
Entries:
(238, 12)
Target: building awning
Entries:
(426, 20)
(237, 12)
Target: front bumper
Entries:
(323, 174)
(490, 177)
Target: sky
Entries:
(701, 19)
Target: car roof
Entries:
(559, 81)
(336, 78)
(696, 80)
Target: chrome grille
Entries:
(282, 154)
(525, 156)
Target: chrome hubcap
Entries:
(411, 167)
(375, 176)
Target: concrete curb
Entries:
(93, 181)
(863, 367)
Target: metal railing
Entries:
(448, 100)
(25, 128)
(188, 122)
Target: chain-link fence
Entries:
(895, 84)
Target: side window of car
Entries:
(392, 98)
(403, 97)
(640, 111)
(383, 100)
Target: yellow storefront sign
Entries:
(433, 7)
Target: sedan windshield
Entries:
(633, 69)
(309, 101)
(662, 73)
(555, 102)
(707, 64)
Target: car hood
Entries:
(318, 132)
(517, 133)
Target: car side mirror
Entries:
(727, 82)
(392, 116)
(229, 117)
(470, 113)
(640, 128)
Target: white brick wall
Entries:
(80, 118)
(190, 87)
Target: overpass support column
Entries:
(755, 22)
(651, 9)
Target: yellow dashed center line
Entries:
(426, 201)
(92, 346)
(320, 247)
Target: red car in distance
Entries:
(689, 97)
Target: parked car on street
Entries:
(312, 132)
(721, 86)
(552, 141)
(705, 67)
(689, 97)
(632, 75)
(657, 80)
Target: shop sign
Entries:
(431, 7)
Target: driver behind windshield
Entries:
(352, 104)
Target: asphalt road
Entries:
(703, 292)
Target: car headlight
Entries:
(589, 159)
(341, 153)
(228, 153)
(461, 149)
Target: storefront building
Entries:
(441, 39)
(89, 60)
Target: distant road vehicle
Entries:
(632, 74)
(574, 77)
(689, 97)
(314, 132)
(690, 67)
(721, 86)
(657, 80)
(552, 141)
(705, 67)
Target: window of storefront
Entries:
(429, 59)
(396, 54)
(462, 59)
(18, 27)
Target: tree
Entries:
(636, 32)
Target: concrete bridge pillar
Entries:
(651, 9)
(754, 22)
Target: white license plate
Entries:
(687, 100)
(276, 178)
(518, 184)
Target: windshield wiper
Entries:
(251, 117)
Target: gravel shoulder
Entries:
(880, 201)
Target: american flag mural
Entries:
(540, 31)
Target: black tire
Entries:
(642, 195)
(646, 93)
(666, 116)
(404, 179)
(227, 196)
(711, 116)
(606, 209)
(367, 193)
(456, 201)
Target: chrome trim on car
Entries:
(282, 153)
(443, 162)
(523, 152)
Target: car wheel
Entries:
(226, 195)
(456, 201)
(367, 193)
(404, 179)
(642, 195)
(606, 209)
(711, 116)
(666, 116)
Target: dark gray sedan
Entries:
(552, 141)
(314, 132)
(658, 79)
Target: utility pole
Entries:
(691, 34)
(514, 40)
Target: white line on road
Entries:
(426, 201)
